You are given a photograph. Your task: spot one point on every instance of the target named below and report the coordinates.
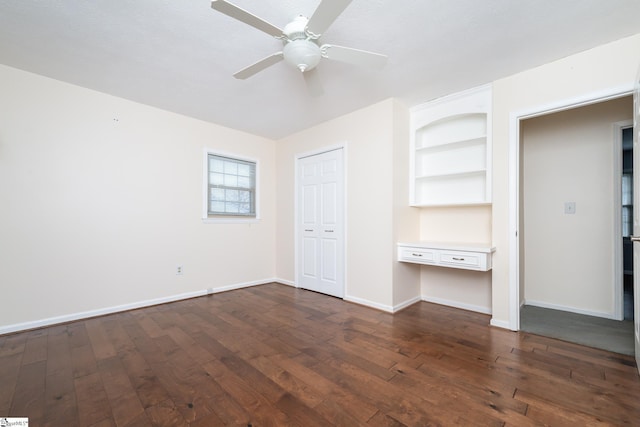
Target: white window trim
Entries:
(206, 219)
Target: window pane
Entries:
(216, 165)
(230, 181)
(232, 207)
(217, 206)
(244, 196)
(216, 179)
(627, 221)
(245, 208)
(232, 195)
(244, 169)
(231, 167)
(244, 182)
(627, 189)
(217, 194)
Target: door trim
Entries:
(296, 247)
(514, 182)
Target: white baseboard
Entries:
(457, 304)
(372, 304)
(500, 324)
(17, 327)
(406, 304)
(543, 304)
(285, 282)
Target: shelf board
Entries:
(459, 174)
(450, 204)
(450, 145)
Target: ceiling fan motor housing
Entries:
(302, 54)
(300, 50)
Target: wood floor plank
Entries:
(78, 336)
(546, 412)
(306, 393)
(83, 361)
(35, 349)
(92, 400)
(9, 370)
(277, 355)
(259, 408)
(165, 414)
(381, 419)
(28, 400)
(14, 344)
(357, 407)
(60, 394)
(125, 404)
(102, 346)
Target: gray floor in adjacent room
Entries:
(612, 335)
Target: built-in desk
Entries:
(468, 256)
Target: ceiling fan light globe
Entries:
(302, 54)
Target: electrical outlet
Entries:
(179, 270)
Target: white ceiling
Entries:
(179, 55)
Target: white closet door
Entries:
(320, 223)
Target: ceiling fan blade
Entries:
(314, 84)
(246, 17)
(359, 57)
(325, 14)
(259, 66)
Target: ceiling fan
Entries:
(300, 39)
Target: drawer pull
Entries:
(328, 231)
(307, 230)
(458, 259)
(414, 254)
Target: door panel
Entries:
(310, 254)
(329, 252)
(329, 194)
(320, 223)
(309, 199)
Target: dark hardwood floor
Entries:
(276, 355)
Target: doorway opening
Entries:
(572, 225)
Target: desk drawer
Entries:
(463, 260)
(419, 255)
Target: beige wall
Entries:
(371, 208)
(591, 72)
(406, 220)
(459, 288)
(570, 156)
(102, 199)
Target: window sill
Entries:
(229, 220)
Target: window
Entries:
(231, 187)
(627, 204)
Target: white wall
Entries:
(591, 72)
(570, 156)
(371, 209)
(102, 199)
